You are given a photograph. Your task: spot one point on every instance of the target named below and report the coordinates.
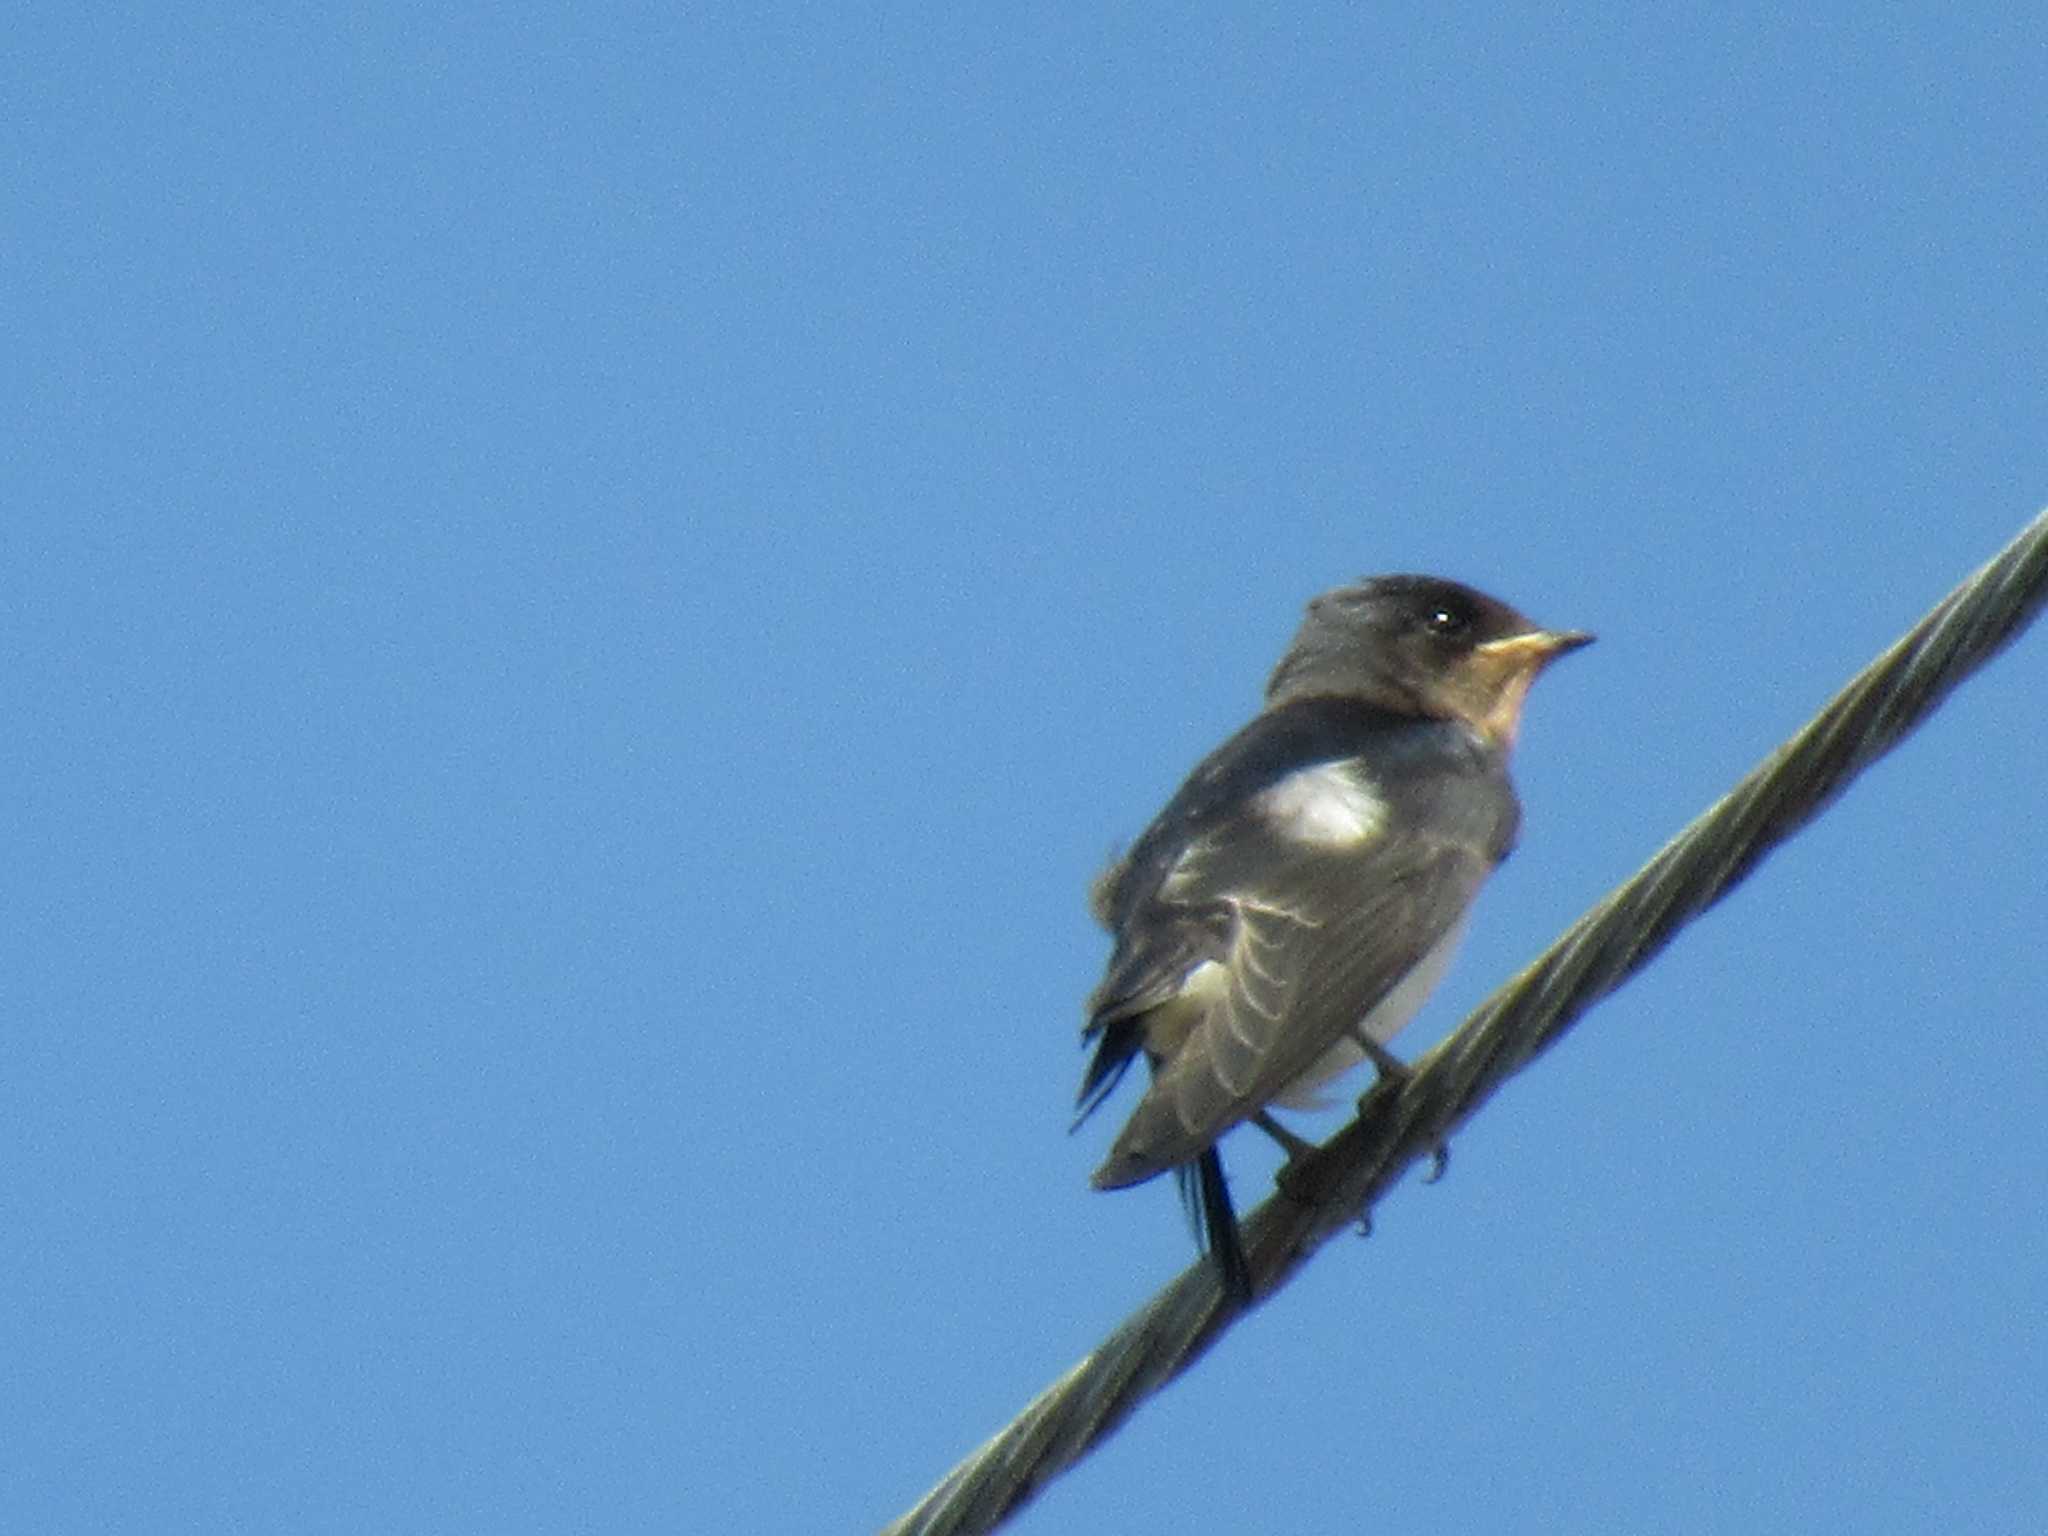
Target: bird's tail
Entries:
(1207, 1197)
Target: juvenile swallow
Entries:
(1303, 891)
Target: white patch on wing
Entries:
(1382, 1024)
(1331, 804)
(1205, 981)
(1168, 1025)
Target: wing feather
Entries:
(1297, 987)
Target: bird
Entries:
(1304, 889)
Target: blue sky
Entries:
(582, 594)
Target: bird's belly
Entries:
(1385, 1021)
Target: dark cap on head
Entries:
(1420, 645)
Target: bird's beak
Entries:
(1508, 666)
(1531, 651)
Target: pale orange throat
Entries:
(1504, 718)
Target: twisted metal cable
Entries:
(1407, 1118)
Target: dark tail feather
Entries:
(1207, 1197)
(1116, 1044)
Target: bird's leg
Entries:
(1297, 1148)
(1392, 1069)
(1384, 1060)
(1294, 1146)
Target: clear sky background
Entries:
(582, 592)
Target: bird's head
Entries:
(1420, 645)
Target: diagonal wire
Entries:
(1407, 1118)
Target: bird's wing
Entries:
(1276, 953)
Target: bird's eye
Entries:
(1448, 621)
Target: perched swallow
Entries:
(1303, 891)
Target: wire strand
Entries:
(1406, 1119)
